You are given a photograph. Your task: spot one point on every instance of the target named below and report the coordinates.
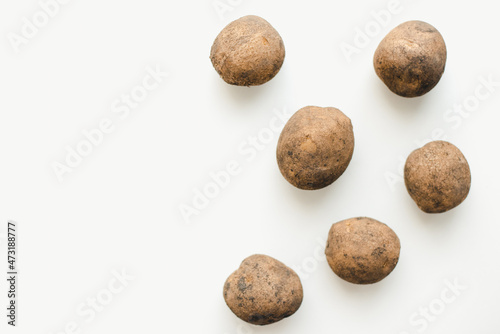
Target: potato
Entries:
(315, 147)
(411, 59)
(248, 52)
(362, 250)
(263, 291)
(437, 177)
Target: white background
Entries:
(119, 209)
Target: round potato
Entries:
(263, 291)
(315, 147)
(437, 177)
(248, 52)
(362, 250)
(411, 59)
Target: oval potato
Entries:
(315, 147)
(411, 59)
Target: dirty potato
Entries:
(437, 177)
(263, 291)
(411, 59)
(315, 147)
(248, 52)
(362, 250)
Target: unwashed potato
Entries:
(315, 147)
(411, 59)
(263, 291)
(437, 177)
(248, 52)
(362, 250)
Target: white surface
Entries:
(120, 207)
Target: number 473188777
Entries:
(11, 245)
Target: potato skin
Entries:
(437, 177)
(362, 250)
(315, 147)
(248, 52)
(263, 290)
(411, 59)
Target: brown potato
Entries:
(248, 52)
(263, 291)
(362, 250)
(437, 177)
(315, 147)
(411, 59)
